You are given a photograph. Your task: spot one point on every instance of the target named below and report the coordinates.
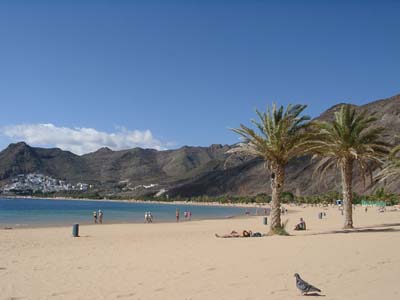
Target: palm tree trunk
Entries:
(347, 182)
(277, 181)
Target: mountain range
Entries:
(188, 171)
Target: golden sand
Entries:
(186, 260)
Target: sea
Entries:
(21, 212)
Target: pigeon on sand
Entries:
(304, 286)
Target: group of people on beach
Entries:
(244, 233)
(187, 215)
(248, 233)
(148, 217)
(98, 217)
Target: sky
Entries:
(81, 75)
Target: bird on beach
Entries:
(304, 286)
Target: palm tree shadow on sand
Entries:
(362, 230)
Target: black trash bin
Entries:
(75, 230)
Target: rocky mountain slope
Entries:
(188, 171)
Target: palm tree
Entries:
(350, 139)
(282, 135)
(391, 168)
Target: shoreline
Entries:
(163, 222)
(21, 225)
(194, 203)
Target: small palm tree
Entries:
(348, 140)
(282, 135)
(391, 168)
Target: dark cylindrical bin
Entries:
(265, 220)
(75, 230)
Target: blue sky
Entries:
(163, 74)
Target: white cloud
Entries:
(80, 140)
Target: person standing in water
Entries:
(95, 217)
(177, 214)
(100, 217)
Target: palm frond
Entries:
(351, 137)
(280, 134)
(391, 167)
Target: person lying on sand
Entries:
(235, 234)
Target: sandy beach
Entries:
(186, 261)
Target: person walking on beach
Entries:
(95, 217)
(100, 217)
(177, 214)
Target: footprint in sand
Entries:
(185, 273)
(278, 291)
(58, 294)
(234, 283)
(353, 270)
(125, 295)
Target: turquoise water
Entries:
(41, 212)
